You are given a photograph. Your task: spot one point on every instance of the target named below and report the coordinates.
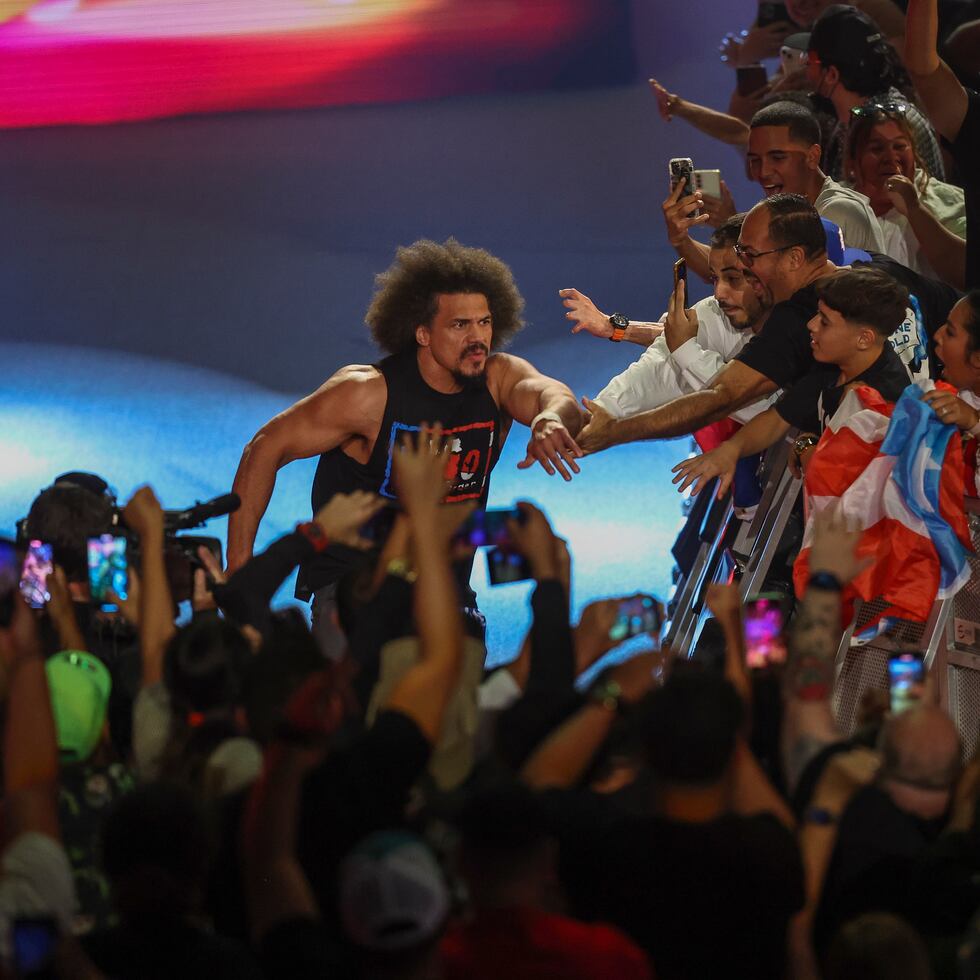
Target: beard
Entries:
(471, 380)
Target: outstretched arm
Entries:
(728, 129)
(347, 406)
(943, 96)
(587, 316)
(546, 406)
(736, 385)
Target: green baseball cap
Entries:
(80, 686)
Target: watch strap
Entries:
(825, 580)
(314, 534)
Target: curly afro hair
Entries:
(407, 293)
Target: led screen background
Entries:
(100, 61)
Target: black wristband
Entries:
(826, 581)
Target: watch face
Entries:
(620, 321)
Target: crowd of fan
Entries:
(219, 800)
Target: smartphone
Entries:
(680, 272)
(38, 565)
(33, 943)
(107, 569)
(750, 79)
(708, 182)
(638, 614)
(485, 528)
(906, 677)
(505, 566)
(772, 13)
(10, 569)
(765, 621)
(379, 526)
(681, 170)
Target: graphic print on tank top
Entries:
(471, 450)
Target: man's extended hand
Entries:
(552, 446)
(585, 314)
(681, 214)
(697, 471)
(598, 433)
(681, 324)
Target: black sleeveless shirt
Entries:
(470, 419)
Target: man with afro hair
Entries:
(441, 313)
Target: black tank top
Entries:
(470, 419)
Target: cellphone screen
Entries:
(38, 565)
(638, 614)
(764, 621)
(505, 566)
(488, 527)
(34, 942)
(107, 569)
(905, 676)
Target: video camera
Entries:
(180, 550)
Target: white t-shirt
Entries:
(659, 376)
(852, 213)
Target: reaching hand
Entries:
(665, 100)
(638, 675)
(344, 514)
(902, 193)
(592, 637)
(552, 446)
(834, 545)
(598, 433)
(844, 775)
(420, 469)
(143, 514)
(723, 600)
(952, 409)
(699, 470)
(681, 214)
(718, 209)
(681, 324)
(585, 314)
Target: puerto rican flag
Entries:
(896, 472)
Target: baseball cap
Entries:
(80, 686)
(843, 35)
(797, 42)
(393, 894)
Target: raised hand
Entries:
(143, 514)
(718, 209)
(420, 468)
(902, 193)
(344, 514)
(585, 315)
(681, 324)
(681, 214)
(666, 101)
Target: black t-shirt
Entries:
(781, 350)
(704, 900)
(814, 399)
(966, 152)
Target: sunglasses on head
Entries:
(873, 108)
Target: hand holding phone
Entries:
(637, 614)
(505, 566)
(488, 528)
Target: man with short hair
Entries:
(438, 312)
(857, 310)
(782, 244)
(686, 348)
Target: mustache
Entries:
(476, 349)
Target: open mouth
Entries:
(771, 189)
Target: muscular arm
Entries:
(728, 129)
(943, 96)
(523, 392)
(347, 406)
(736, 385)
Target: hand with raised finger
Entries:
(552, 446)
(698, 471)
(681, 324)
(599, 432)
(344, 514)
(420, 468)
(902, 193)
(952, 409)
(584, 314)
